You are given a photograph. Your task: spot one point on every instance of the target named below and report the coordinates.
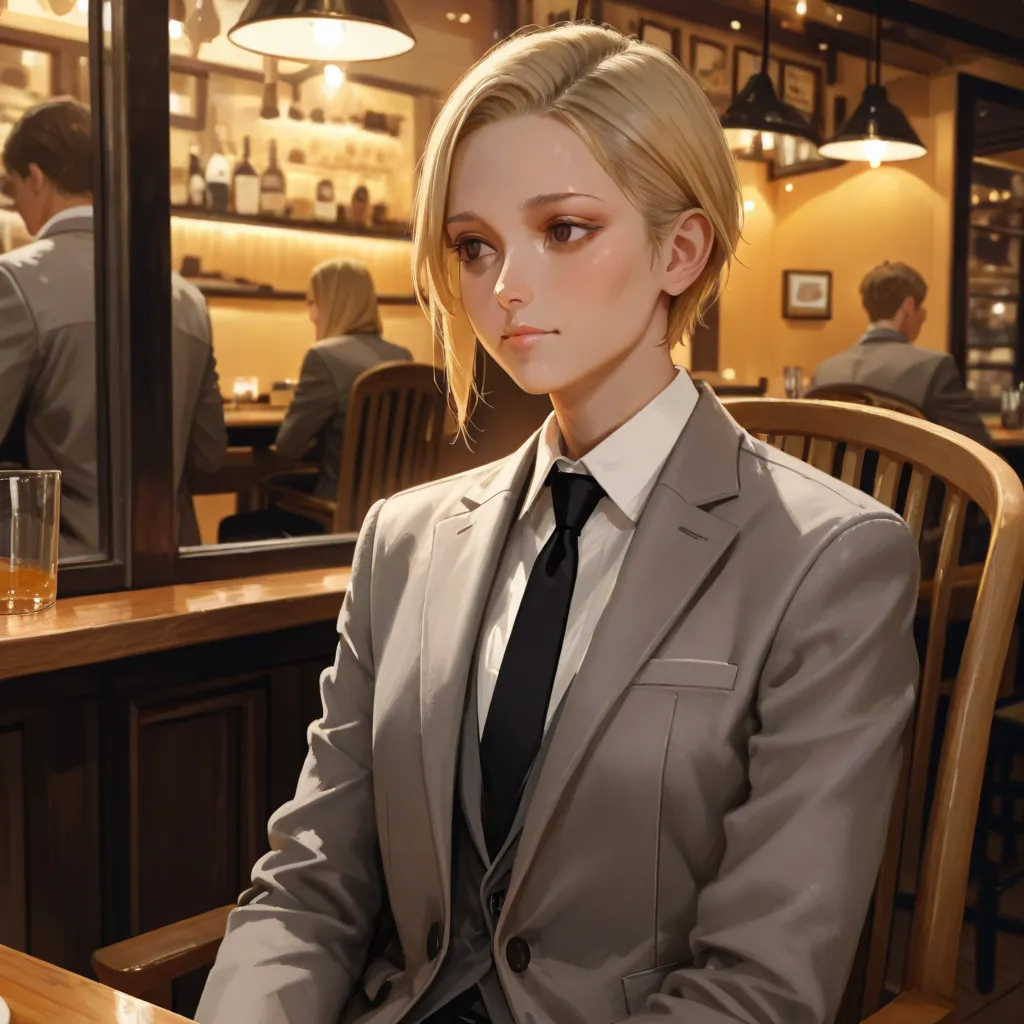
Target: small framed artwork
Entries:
(550, 12)
(664, 38)
(807, 294)
(709, 64)
(746, 64)
(801, 88)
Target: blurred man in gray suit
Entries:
(48, 329)
(886, 360)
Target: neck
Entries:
(598, 405)
(59, 203)
(888, 325)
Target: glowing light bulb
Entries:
(875, 150)
(993, 196)
(748, 205)
(83, 5)
(464, 19)
(328, 33)
(839, 16)
(789, 186)
(735, 26)
(334, 77)
(450, 15)
(801, 7)
(175, 29)
(998, 308)
(728, 373)
(875, 164)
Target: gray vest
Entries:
(478, 886)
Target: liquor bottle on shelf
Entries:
(196, 181)
(326, 207)
(272, 193)
(218, 176)
(247, 184)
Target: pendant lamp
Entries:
(877, 131)
(757, 117)
(323, 30)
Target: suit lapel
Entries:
(465, 554)
(676, 546)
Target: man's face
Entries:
(31, 196)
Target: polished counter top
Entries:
(39, 993)
(102, 627)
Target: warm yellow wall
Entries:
(268, 340)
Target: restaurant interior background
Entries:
(334, 150)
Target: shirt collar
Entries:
(85, 210)
(626, 463)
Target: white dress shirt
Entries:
(626, 464)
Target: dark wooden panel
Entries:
(61, 760)
(13, 921)
(198, 799)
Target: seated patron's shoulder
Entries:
(792, 498)
(188, 307)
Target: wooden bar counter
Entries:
(145, 737)
(39, 993)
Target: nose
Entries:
(511, 287)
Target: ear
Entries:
(36, 178)
(686, 251)
(908, 307)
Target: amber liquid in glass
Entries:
(25, 588)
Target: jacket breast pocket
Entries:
(687, 674)
(638, 988)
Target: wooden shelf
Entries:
(313, 227)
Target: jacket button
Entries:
(517, 953)
(495, 902)
(434, 940)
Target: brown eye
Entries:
(561, 233)
(471, 249)
(564, 232)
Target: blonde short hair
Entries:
(646, 121)
(345, 297)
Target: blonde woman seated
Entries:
(343, 309)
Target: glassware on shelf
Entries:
(245, 389)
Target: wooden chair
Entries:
(832, 437)
(393, 435)
(835, 438)
(861, 394)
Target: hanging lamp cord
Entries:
(878, 49)
(765, 28)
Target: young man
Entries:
(885, 358)
(48, 328)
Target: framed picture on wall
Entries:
(552, 12)
(709, 64)
(747, 63)
(801, 88)
(807, 294)
(664, 38)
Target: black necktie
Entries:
(515, 719)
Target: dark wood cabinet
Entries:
(136, 792)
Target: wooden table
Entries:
(39, 993)
(254, 414)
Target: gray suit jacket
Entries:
(886, 360)
(703, 835)
(320, 406)
(48, 365)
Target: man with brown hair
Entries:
(886, 360)
(48, 328)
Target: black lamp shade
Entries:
(758, 110)
(323, 30)
(877, 131)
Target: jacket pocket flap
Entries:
(687, 673)
(638, 988)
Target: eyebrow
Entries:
(533, 203)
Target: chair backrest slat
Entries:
(393, 433)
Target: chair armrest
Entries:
(912, 1008)
(152, 960)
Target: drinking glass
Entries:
(1011, 411)
(793, 381)
(29, 539)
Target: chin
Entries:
(536, 379)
